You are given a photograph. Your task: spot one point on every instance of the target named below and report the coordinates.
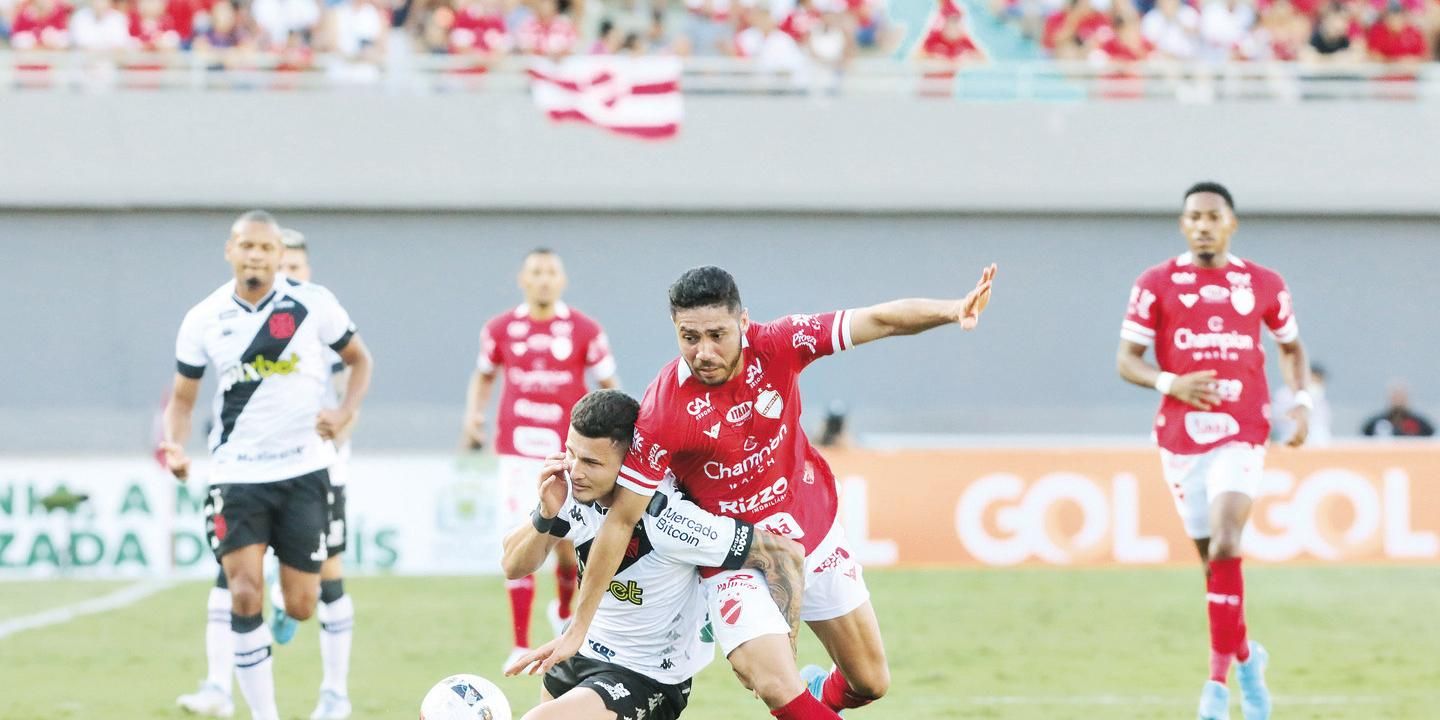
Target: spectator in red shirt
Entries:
(478, 29)
(1284, 32)
(1397, 38)
(1126, 44)
(153, 28)
(949, 43)
(802, 19)
(41, 25)
(548, 33)
(1068, 31)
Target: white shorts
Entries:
(1196, 480)
(519, 489)
(741, 608)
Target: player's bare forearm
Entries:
(605, 554)
(360, 364)
(179, 409)
(525, 551)
(782, 562)
(901, 317)
(1133, 368)
(1297, 365)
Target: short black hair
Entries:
(706, 286)
(607, 414)
(542, 250)
(254, 217)
(1210, 187)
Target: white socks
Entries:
(219, 640)
(253, 666)
(337, 622)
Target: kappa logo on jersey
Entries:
(766, 498)
(282, 325)
(1182, 278)
(740, 413)
(714, 431)
(769, 404)
(577, 516)
(805, 321)
(761, 458)
(803, 339)
(700, 407)
(1140, 302)
(730, 610)
(258, 369)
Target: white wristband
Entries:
(1303, 399)
(1163, 382)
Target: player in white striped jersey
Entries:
(646, 641)
(272, 440)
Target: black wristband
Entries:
(541, 523)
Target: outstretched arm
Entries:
(914, 315)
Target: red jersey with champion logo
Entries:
(1210, 319)
(738, 449)
(543, 365)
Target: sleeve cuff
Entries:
(1287, 333)
(194, 372)
(1136, 333)
(739, 547)
(636, 484)
(605, 369)
(840, 331)
(344, 340)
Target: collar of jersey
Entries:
(682, 372)
(274, 290)
(562, 310)
(1189, 258)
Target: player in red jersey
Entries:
(724, 418)
(546, 349)
(1202, 312)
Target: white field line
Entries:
(123, 597)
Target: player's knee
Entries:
(300, 605)
(246, 595)
(870, 684)
(775, 690)
(1225, 545)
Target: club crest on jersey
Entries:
(282, 325)
(561, 347)
(1242, 298)
(769, 404)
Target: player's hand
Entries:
(176, 461)
(330, 423)
(1301, 415)
(977, 300)
(475, 431)
(1196, 389)
(554, 484)
(547, 656)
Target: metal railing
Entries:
(875, 77)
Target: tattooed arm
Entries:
(782, 561)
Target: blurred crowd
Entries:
(1319, 32)
(237, 33)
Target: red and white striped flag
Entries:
(635, 96)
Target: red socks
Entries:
(804, 707)
(565, 584)
(1226, 599)
(522, 596)
(839, 696)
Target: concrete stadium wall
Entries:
(91, 301)
(494, 152)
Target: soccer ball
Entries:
(465, 697)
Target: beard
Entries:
(252, 283)
(1205, 257)
(728, 372)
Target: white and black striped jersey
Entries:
(274, 362)
(651, 618)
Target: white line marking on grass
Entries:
(1131, 700)
(123, 597)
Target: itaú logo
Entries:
(1062, 518)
